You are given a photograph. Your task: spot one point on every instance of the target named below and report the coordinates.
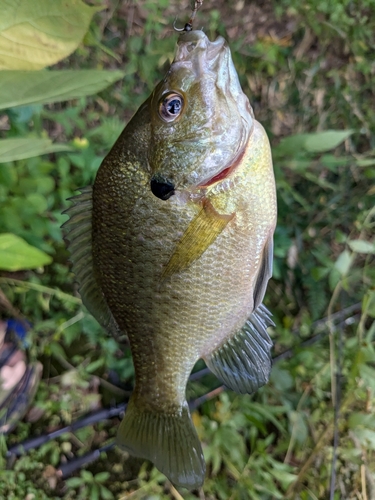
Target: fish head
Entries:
(201, 120)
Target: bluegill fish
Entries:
(173, 246)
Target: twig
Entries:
(176, 494)
(363, 482)
(43, 289)
(8, 307)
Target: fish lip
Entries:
(225, 172)
(232, 165)
(189, 40)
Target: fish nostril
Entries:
(162, 188)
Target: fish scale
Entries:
(179, 249)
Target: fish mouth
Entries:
(213, 61)
(225, 172)
(190, 40)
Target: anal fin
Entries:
(78, 233)
(244, 362)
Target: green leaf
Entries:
(106, 494)
(368, 303)
(101, 477)
(298, 423)
(74, 482)
(362, 246)
(324, 141)
(57, 350)
(284, 477)
(366, 162)
(19, 149)
(87, 476)
(290, 145)
(281, 379)
(16, 254)
(34, 35)
(343, 262)
(366, 437)
(318, 142)
(94, 365)
(94, 493)
(19, 88)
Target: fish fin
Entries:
(244, 362)
(78, 233)
(170, 441)
(264, 273)
(200, 234)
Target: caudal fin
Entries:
(170, 441)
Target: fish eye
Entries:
(171, 106)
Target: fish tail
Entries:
(170, 441)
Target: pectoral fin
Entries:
(264, 273)
(200, 234)
(244, 362)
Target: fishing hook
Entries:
(189, 25)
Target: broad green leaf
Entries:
(36, 34)
(358, 419)
(318, 142)
(366, 162)
(362, 246)
(343, 262)
(18, 149)
(17, 254)
(366, 437)
(19, 88)
(289, 146)
(324, 141)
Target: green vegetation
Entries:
(310, 75)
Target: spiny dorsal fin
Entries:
(200, 234)
(244, 362)
(78, 233)
(264, 273)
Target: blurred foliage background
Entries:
(309, 71)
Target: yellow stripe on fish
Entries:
(200, 235)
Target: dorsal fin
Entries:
(78, 233)
(243, 363)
